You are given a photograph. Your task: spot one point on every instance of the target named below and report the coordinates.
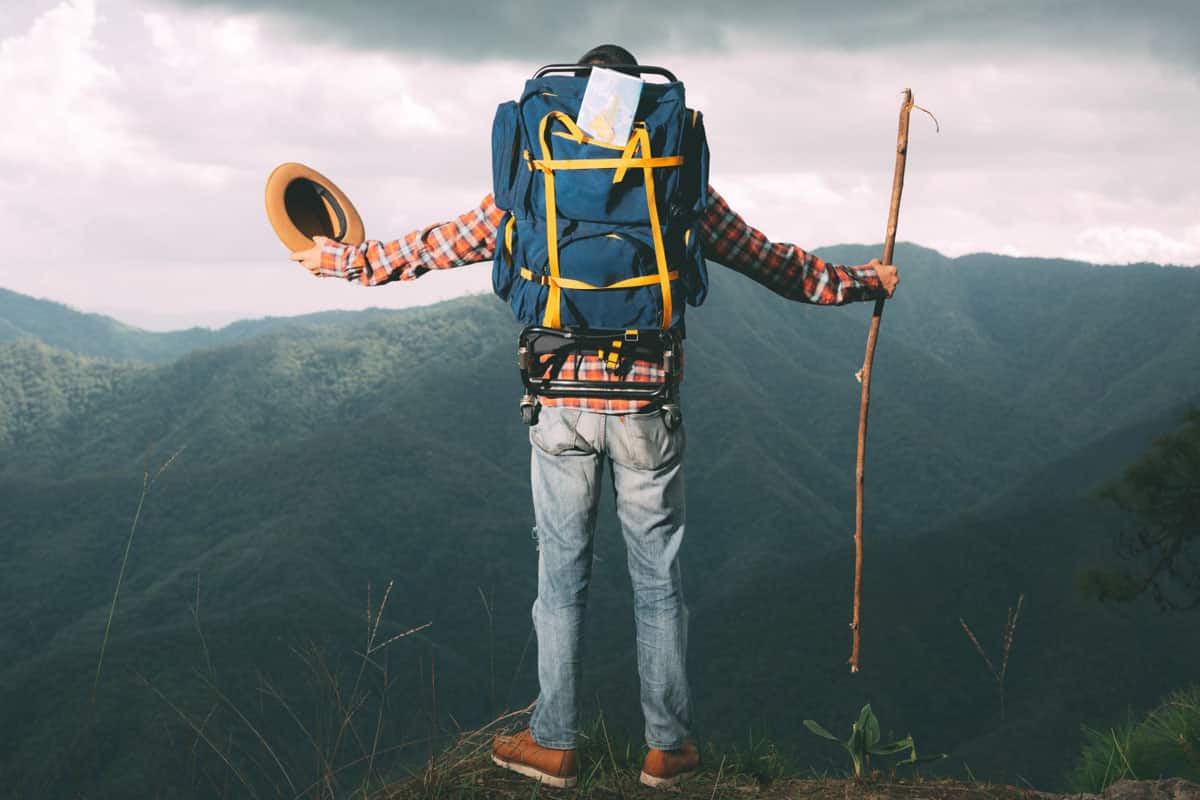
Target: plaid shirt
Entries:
(726, 238)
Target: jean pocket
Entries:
(645, 442)
(556, 432)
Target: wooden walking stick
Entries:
(865, 374)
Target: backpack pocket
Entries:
(693, 182)
(506, 147)
(600, 260)
(589, 194)
(504, 268)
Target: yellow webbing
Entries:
(508, 229)
(619, 164)
(613, 358)
(571, 283)
(660, 256)
(614, 355)
(638, 141)
(552, 318)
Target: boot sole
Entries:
(661, 783)
(537, 774)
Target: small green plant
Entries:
(761, 761)
(864, 743)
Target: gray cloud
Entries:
(150, 126)
(550, 30)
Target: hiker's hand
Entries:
(889, 276)
(310, 259)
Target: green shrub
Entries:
(1166, 743)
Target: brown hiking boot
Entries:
(666, 767)
(521, 754)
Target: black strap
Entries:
(337, 209)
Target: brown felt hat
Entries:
(303, 203)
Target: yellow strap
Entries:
(619, 164)
(614, 355)
(508, 229)
(627, 155)
(660, 254)
(576, 134)
(571, 283)
(552, 318)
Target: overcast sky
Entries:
(138, 134)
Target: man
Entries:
(572, 441)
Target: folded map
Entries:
(609, 104)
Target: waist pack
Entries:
(598, 235)
(629, 365)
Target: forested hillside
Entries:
(320, 456)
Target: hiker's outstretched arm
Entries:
(469, 238)
(783, 268)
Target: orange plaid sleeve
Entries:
(468, 238)
(783, 268)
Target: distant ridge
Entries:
(100, 336)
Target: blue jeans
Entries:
(570, 450)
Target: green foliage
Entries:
(41, 387)
(761, 759)
(1162, 490)
(1164, 744)
(1107, 583)
(865, 742)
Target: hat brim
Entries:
(303, 203)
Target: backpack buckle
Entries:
(529, 409)
(672, 416)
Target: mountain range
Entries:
(311, 458)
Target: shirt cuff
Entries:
(868, 282)
(340, 260)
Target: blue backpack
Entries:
(596, 235)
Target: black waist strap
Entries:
(543, 353)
